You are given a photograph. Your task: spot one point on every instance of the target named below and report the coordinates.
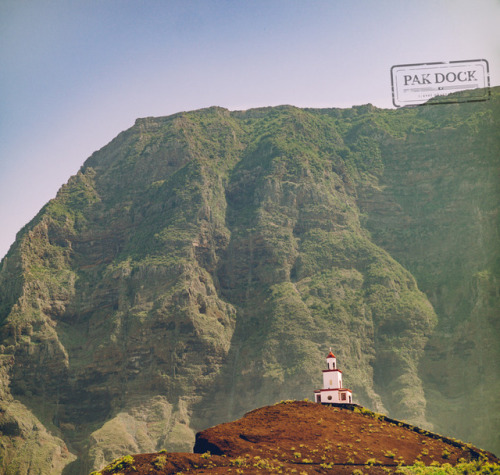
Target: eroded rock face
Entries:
(199, 265)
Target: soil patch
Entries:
(303, 437)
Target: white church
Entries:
(332, 392)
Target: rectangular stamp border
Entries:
(444, 99)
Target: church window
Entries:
(329, 398)
(343, 397)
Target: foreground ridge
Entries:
(303, 437)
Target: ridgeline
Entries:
(198, 266)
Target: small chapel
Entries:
(332, 392)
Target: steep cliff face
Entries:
(435, 209)
(199, 265)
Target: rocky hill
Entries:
(302, 437)
(199, 265)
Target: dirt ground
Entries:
(303, 437)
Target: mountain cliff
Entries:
(199, 265)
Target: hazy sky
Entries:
(73, 74)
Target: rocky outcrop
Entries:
(198, 266)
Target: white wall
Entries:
(332, 379)
(335, 396)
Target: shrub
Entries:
(264, 464)
(160, 462)
(120, 464)
(237, 462)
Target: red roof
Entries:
(331, 355)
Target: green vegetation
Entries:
(260, 238)
(159, 462)
(465, 468)
(119, 464)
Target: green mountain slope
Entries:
(199, 265)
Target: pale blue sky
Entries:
(73, 74)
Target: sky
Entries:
(73, 74)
